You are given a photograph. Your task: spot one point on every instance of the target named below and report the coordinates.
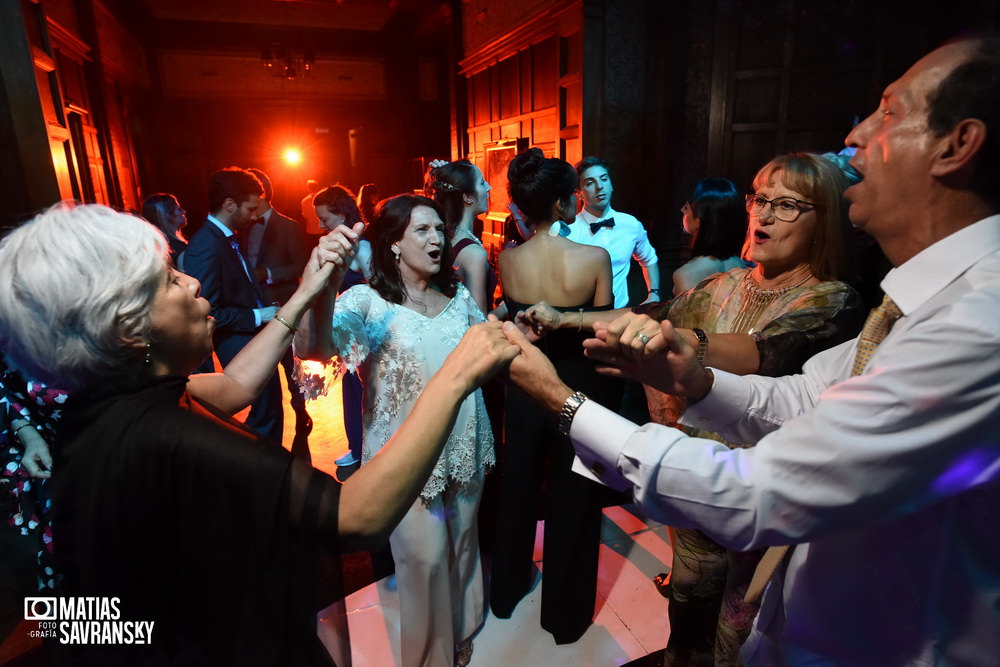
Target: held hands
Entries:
(540, 319)
(482, 351)
(337, 248)
(533, 373)
(651, 352)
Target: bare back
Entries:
(557, 271)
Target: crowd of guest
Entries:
(781, 417)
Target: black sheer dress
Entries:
(193, 523)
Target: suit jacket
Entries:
(284, 252)
(211, 259)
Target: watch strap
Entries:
(702, 348)
(568, 411)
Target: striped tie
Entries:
(877, 327)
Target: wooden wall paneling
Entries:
(123, 148)
(545, 74)
(593, 60)
(509, 87)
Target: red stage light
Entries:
(293, 156)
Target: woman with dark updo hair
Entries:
(463, 193)
(574, 278)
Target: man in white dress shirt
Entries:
(884, 478)
(621, 234)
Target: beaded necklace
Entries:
(755, 300)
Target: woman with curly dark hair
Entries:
(396, 331)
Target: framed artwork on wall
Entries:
(498, 156)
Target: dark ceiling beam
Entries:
(233, 37)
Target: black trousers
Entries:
(535, 465)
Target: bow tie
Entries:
(607, 222)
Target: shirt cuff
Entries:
(724, 404)
(598, 436)
(257, 317)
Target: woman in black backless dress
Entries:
(536, 457)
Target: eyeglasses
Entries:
(786, 209)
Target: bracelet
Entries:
(19, 427)
(579, 327)
(702, 345)
(568, 411)
(288, 324)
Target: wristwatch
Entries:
(699, 353)
(568, 411)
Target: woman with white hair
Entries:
(161, 501)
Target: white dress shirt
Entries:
(888, 481)
(627, 239)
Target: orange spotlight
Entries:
(293, 156)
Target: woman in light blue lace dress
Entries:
(396, 331)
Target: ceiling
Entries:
(360, 15)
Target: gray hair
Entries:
(76, 288)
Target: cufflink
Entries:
(598, 469)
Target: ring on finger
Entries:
(643, 338)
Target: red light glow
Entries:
(293, 156)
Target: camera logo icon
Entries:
(40, 609)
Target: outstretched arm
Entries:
(313, 339)
(245, 376)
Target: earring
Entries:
(148, 361)
(395, 251)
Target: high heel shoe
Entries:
(662, 581)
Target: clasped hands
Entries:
(330, 260)
(632, 345)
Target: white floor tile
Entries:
(631, 618)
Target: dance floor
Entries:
(630, 620)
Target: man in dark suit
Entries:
(276, 247)
(239, 306)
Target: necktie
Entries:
(255, 236)
(607, 222)
(876, 328)
(246, 268)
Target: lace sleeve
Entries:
(352, 331)
(475, 315)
